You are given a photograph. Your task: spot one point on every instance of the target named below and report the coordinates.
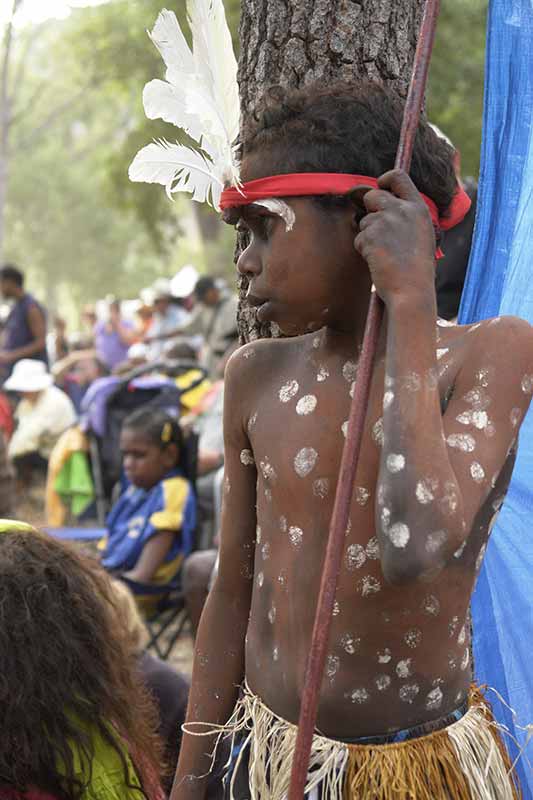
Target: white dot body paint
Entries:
(441, 351)
(434, 699)
(275, 654)
(465, 661)
(372, 549)
(388, 398)
(332, 666)
(478, 399)
(247, 458)
(316, 342)
(412, 382)
(336, 609)
(377, 432)
(358, 696)
(399, 534)
(304, 461)
(288, 391)
(296, 536)
(413, 637)
(435, 541)
(280, 208)
(321, 488)
(403, 668)
(260, 579)
(424, 492)
(283, 579)
(349, 371)
(249, 353)
(452, 626)
(322, 374)
(462, 441)
(267, 470)
(479, 419)
(409, 692)
(431, 605)
(355, 557)
(344, 428)
(283, 524)
(449, 501)
(382, 682)
(368, 585)
(460, 550)
(395, 462)
(252, 421)
(272, 614)
(461, 639)
(362, 495)
(515, 416)
(527, 384)
(384, 656)
(480, 557)
(306, 405)
(385, 519)
(258, 534)
(350, 644)
(265, 551)
(477, 472)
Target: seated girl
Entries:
(77, 723)
(150, 528)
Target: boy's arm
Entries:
(435, 472)
(152, 556)
(219, 654)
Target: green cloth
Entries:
(107, 774)
(74, 483)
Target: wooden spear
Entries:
(352, 447)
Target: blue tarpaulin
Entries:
(500, 281)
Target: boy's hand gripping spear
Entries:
(352, 447)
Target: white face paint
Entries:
(409, 692)
(477, 472)
(355, 557)
(321, 488)
(399, 535)
(395, 462)
(413, 637)
(322, 374)
(280, 208)
(306, 405)
(288, 390)
(304, 461)
(349, 371)
(247, 458)
(403, 668)
(461, 441)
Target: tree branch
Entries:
(36, 32)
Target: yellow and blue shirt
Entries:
(140, 514)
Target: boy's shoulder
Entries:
(263, 357)
(504, 338)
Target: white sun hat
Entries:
(29, 375)
(184, 281)
(162, 288)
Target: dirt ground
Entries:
(30, 508)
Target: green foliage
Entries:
(75, 222)
(455, 94)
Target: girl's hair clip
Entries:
(166, 433)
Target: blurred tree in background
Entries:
(73, 220)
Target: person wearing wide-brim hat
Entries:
(43, 414)
(169, 315)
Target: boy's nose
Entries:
(248, 263)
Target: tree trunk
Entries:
(296, 42)
(5, 117)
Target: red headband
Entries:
(315, 183)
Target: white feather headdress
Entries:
(200, 95)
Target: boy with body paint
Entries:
(397, 717)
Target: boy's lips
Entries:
(256, 301)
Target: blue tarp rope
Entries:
(500, 281)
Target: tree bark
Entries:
(296, 42)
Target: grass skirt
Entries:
(464, 761)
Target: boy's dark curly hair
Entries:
(66, 672)
(346, 127)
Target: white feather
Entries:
(179, 169)
(200, 96)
